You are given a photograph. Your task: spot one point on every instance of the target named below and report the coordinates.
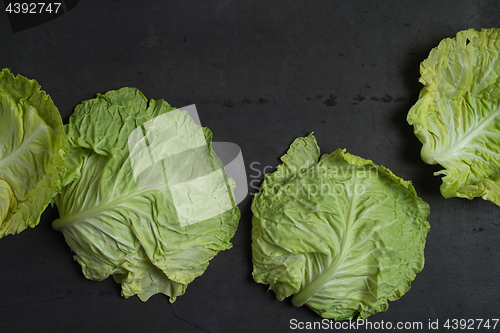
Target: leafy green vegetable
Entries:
(32, 148)
(122, 216)
(457, 114)
(339, 233)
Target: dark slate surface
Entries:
(260, 74)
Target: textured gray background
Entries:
(261, 74)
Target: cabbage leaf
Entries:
(119, 215)
(457, 115)
(339, 233)
(32, 148)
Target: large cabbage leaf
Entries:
(32, 148)
(457, 115)
(117, 212)
(339, 233)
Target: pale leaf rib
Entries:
(363, 258)
(486, 75)
(109, 234)
(6, 160)
(81, 215)
(465, 140)
(366, 211)
(341, 272)
(7, 173)
(6, 137)
(306, 293)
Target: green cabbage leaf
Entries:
(457, 115)
(336, 232)
(122, 216)
(32, 148)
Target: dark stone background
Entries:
(261, 74)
